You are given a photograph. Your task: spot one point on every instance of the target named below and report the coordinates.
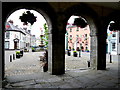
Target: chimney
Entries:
(16, 26)
(25, 28)
(29, 31)
(33, 35)
(10, 21)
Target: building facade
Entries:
(113, 42)
(33, 40)
(78, 38)
(18, 38)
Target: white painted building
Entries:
(113, 42)
(17, 38)
(13, 37)
(38, 41)
(33, 40)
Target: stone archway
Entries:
(90, 16)
(113, 16)
(39, 10)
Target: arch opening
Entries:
(112, 43)
(82, 41)
(25, 44)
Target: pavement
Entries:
(27, 73)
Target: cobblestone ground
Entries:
(72, 63)
(30, 63)
(71, 79)
(27, 73)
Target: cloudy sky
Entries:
(35, 28)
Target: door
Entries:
(15, 45)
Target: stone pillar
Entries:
(98, 46)
(50, 53)
(2, 66)
(56, 53)
(56, 61)
(59, 61)
(94, 50)
(101, 63)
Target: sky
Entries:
(71, 19)
(35, 28)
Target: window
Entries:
(85, 35)
(70, 35)
(113, 46)
(6, 44)
(80, 44)
(77, 36)
(77, 29)
(70, 29)
(114, 35)
(7, 35)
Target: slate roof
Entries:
(14, 28)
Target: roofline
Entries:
(17, 31)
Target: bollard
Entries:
(110, 58)
(13, 56)
(21, 52)
(88, 63)
(68, 52)
(10, 58)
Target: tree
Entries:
(46, 35)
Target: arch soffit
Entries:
(45, 13)
(114, 16)
(86, 12)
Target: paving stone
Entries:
(65, 86)
(75, 77)
(55, 79)
(38, 86)
(57, 84)
(75, 85)
(83, 79)
(23, 83)
(46, 85)
(93, 77)
(99, 86)
(108, 84)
